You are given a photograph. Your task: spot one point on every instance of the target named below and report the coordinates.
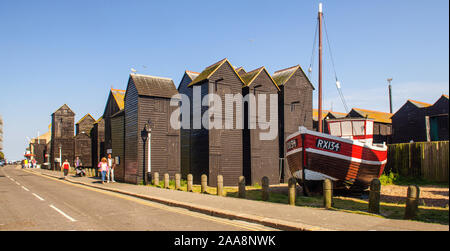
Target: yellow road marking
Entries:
(154, 205)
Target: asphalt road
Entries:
(30, 202)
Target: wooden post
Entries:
(374, 197)
(219, 185)
(166, 180)
(190, 181)
(156, 179)
(242, 187)
(177, 181)
(204, 183)
(327, 193)
(412, 202)
(265, 188)
(292, 186)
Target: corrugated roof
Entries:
(210, 70)
(382, 117)
(85, 116)
(282, 76)
(154, 86)
(419, 104)
(249, 77)
(119, 96)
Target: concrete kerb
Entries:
(269, 222)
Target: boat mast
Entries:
(320, 67)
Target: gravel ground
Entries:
(431, 196)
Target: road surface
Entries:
(31, 202)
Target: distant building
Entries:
(326, 114)
(382, 127)
(114, 104)
(98, 141)
(420, 122)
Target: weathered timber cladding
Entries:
(113, 105)
(131, 133)
(98, 141)
(118, 143)
(294, 107)
(217, 151)
(39, 150)
(185, 133)
(427, 160)
(85, 125)
(260, 157)
(148, 99)
(83, 149)
(409, 124)
(62, 136)
(438, 116)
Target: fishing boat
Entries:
(347, 155)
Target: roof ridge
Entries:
(290, 68)
(370, 110)
(150, 76)
(193, 72)
(79, 121)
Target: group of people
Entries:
(105, 167)
(29, 163)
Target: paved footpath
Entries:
(275, 215)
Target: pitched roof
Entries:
(382, 117)
(154, 86)
(65, 106)
(240, 70)
(210, 70)
(419, 104)
(192, 74)
(85, 116)
(98, 120)
(119, 96)
(249, 77)
(282, 76)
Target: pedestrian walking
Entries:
(65, 168)
(103, 168)
(111, 165)
(34, 163)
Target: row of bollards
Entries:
(412, 201)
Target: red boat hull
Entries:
(313, 156)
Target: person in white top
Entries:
(111, 165)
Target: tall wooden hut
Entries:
(216, 151)
(408, 123)
(62, 141)
(98, 141)
(185, 133)
(83, 148)
(147, 99)
(114, 104)
(260, 157)
(382, 126)
(118, 143)
(295, 101)
(85, 124)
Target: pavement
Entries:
(275, 215)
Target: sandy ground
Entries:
(431, 196)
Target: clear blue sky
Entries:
(56, 52)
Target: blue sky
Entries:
(57, 52)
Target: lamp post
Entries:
(145, 135)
